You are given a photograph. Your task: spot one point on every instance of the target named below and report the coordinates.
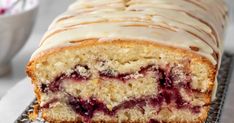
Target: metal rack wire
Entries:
(224, 79)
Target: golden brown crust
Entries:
(33, 115)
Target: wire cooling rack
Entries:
(224, 79)
(215, 112)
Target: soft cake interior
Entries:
(132, 82)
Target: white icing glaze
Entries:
(179, 23)
(213, 96)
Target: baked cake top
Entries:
(197, 25)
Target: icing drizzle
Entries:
(191, 24)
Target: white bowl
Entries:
(14, 32)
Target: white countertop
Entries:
(49, 9)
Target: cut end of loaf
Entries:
(122, 81)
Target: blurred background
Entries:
(48, 10)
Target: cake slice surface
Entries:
(134, 61)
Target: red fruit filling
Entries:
(122, 77)
(55, 85)
(47, 105)
(168, 92)
(86, 108)
(153, 121)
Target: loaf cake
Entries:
(132, 61)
